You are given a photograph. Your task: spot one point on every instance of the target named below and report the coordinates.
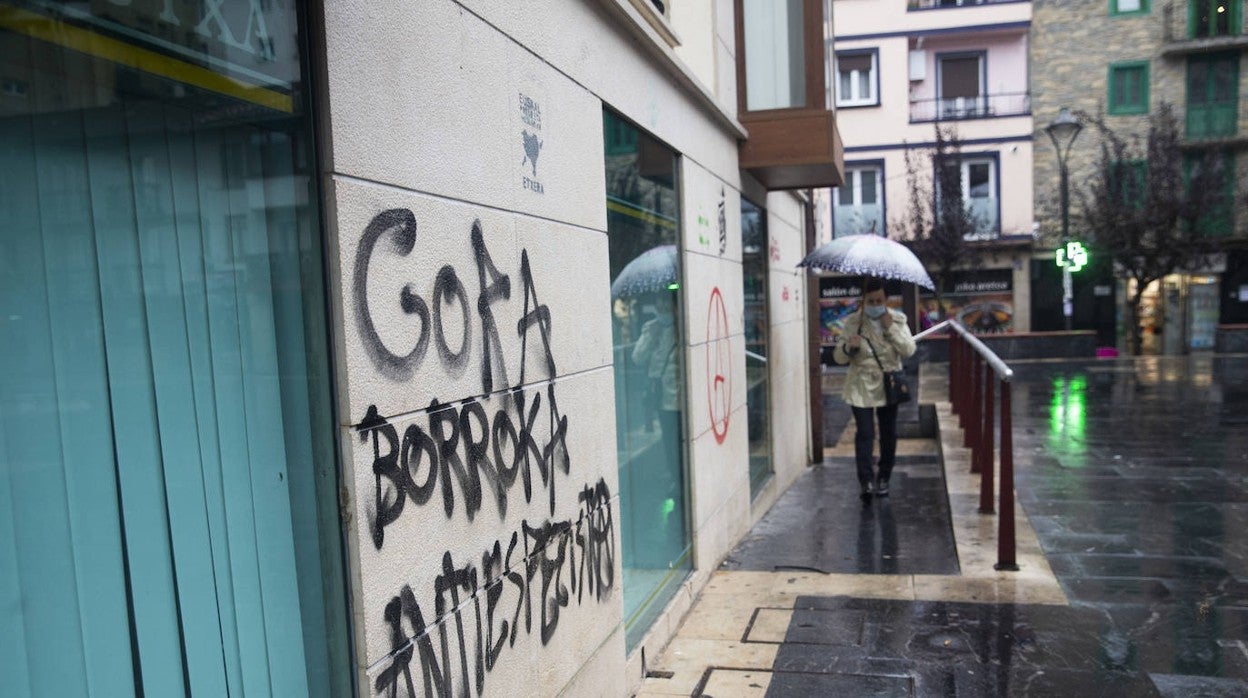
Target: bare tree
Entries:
(938, 223)
(1150, 206)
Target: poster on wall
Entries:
(981, 300)
(838, 299)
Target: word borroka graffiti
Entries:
(461, 446)
(529, 570)
(508, 441)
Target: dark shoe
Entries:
(865, 491)
(881, 488)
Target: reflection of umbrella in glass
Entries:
(871, 255)
(650, 271)
(988, 316)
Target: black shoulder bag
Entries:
(896, 385)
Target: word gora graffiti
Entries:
(583, 549)
(462, 446)
(459, 445)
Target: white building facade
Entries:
(399, 348)
(901, 69)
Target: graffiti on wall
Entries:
(550, 566)
(508, 441)
(718, 366)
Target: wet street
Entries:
(1133, 478)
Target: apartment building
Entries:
(900, 70)
(393, 348)
(1121, 59)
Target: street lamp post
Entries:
(1063, 131)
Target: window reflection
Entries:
(755, 251)
(643, 229)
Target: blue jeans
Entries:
(864, 420)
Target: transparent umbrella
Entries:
(650, 271)
(872, 255)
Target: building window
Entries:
(775, 65)
(858, 204)
(1212, 95)
(960, 85)
(1130, 178)
(857, 79)
(1128, 7)
(1217, 217)
(643, 238)
(1128, 88)
(978, 175)
(166, 423)
(1209, 18)
(754, 254)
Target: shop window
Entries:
(755, 249)
(169, 489)
(643, 236)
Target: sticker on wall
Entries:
(723, 224)
(718, 366)
(704, 228)
(530, 141)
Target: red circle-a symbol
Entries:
(718, 366)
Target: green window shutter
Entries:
(1212, 95)
(1128, 88)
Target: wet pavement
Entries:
(845, 536)
(1133, 474)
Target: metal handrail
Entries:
(971, 393)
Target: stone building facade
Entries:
(1077, 46)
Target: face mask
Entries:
(876, 311)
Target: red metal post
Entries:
(985, 459)
(950, 344)
(970, 432)
(1005, 532)
(955, 379)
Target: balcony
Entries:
(962, 108)
(863, 218)
(913, 5)
(1186, 33)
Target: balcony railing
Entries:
(1185, 33)
(947, 4)
(960, 108)
(865, 218)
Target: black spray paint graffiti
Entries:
(460, 444)
(580, 552)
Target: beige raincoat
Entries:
(864, 384)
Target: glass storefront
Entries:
(167, 459)
(643, 240)
(754, 255)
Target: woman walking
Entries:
(875, 339)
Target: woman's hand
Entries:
(855, 341)
(886, 320)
